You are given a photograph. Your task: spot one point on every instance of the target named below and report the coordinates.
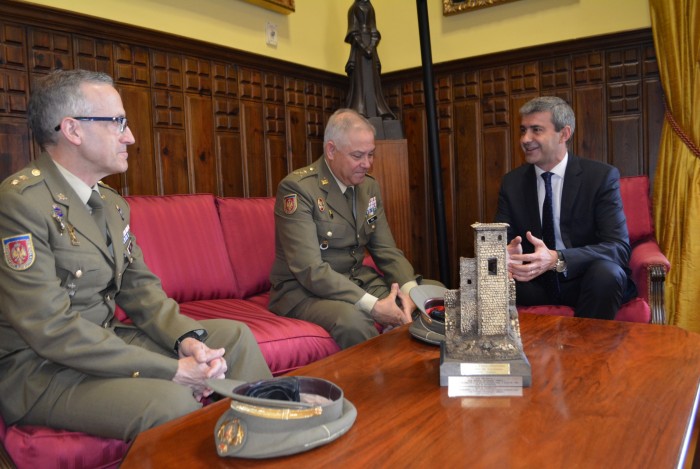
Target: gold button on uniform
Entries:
(135, 374)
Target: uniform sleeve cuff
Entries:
(366, 303)
(406, 287)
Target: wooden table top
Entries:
(603, 394)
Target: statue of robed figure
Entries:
(363, 67)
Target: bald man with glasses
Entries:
(69, 261)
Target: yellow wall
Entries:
(313, 35)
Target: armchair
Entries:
(648, 264)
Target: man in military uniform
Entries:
(320, 244)
(69, 260)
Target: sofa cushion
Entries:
(636, 202)
(249, 232)
(286, 343)
(182, 243)
(31, 447)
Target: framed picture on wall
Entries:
(452, 7)
(280, 6)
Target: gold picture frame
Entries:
(452, 7)
(280, 6)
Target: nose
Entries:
(127, 137)
(366, 162)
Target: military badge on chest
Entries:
(372, 210)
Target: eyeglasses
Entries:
(119, 120)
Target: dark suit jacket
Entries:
(592, 221)
(302, 268)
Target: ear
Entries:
(71, 130)
(329, 150)
(565, 134)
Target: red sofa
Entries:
(213, 256)
(648, 264)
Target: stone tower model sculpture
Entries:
(482, 331)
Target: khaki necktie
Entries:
(350, 197)
(98, 214)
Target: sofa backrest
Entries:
(249, 232)
(183, 244)
(636, 202)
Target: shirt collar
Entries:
(559, 169)
(83, 190)
(342, 186)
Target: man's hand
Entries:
(197, 364)
(387, 313)
(525, 267)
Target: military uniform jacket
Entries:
(59, 285)
(319, 247)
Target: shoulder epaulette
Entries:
(23, 179)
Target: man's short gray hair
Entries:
(340, 122)
(58, 95)
(562, 114)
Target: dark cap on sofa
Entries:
(280, 416)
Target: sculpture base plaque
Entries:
(484, 378)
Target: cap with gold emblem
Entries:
(280, 416)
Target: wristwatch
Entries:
(560, 266)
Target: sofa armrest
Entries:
(649, 267)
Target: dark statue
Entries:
(363, 68)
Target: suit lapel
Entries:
(572, 184)
(531, 202)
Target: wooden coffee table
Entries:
(604, 394)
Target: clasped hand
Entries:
(388, 313)
(525, 267)
(197, 364)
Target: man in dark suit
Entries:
(568, 241)
(65, 361)
(320, 244)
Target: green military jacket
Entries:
(319, 247)
(59, 286)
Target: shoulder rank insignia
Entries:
(19, 251)
(290, 204)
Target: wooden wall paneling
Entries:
(315, 102)
(15, 147)
(204, 169)
(227, 125)
(254, 149)
(653, 110)
(415, 128)
(49, 50)
(497, 155)
(444, 99)
(252, 131)
(390, 169)
(296, 154)
(171, 146)
(142, 176)
(171, 143)
(276, 144)
(93, 54)
(131, 64)
(315, 125)
(624, 93)
(13, 46)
